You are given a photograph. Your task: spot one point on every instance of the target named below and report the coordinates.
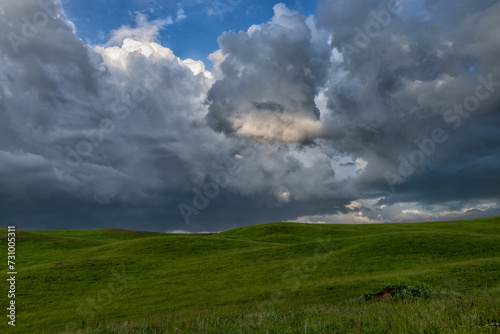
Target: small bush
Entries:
(405, 291)
(401, 291)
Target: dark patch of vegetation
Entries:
(402, 291)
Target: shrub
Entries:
(402, 291)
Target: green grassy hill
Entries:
(81, 278)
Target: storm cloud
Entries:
(270, 77)
(365, 112)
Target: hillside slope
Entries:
(76, 278)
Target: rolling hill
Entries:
(69, 280)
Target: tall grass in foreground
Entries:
(444, 312)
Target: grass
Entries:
(281, 277)
(465, 314)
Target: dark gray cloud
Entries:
(402, 80)
(301, 118)
(271, 75)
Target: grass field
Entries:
(275, 278)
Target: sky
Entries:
(208, 115)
